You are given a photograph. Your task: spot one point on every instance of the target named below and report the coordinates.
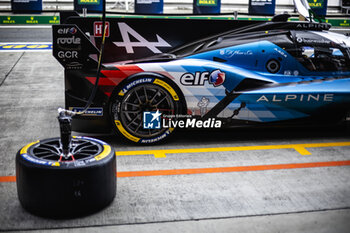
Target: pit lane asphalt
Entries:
(274, 200)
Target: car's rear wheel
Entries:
(139, 106)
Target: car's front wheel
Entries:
(139, 106)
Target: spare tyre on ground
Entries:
(54, 186)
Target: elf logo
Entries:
(129, 45)
(216, 78)
(71, 30)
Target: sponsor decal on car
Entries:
(311, 41)
(229, 53)
(216, 78)
(203, 104)
(89, 111)
(64, 31)
(67, 54)
(290, 72)
(69, 43)
(299, 98)
(282, 53)
(74, 66)
(98, 29)
(312, 26)
(129, 44)
(69, 40)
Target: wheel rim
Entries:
(143, 98)
(80, 149)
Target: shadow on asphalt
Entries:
(229, 136)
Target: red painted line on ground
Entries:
(233, 169)
(217, 169)
(7, 179)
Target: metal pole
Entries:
(127, 5)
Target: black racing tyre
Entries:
(138, 97)
(53, 186)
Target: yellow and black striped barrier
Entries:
(25, 46)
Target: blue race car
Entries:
(243, 73)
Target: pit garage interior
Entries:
(222, 180)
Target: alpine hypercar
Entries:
(163, 74)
